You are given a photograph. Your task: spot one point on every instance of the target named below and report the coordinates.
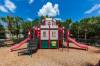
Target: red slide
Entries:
(20, 44)
(78, 44)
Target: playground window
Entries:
(53, 34)
(49, 23)
(44, 33)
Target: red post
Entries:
(44, 20)
(40, 38)
(67, 35)
(58, 37)
(49, 38)
(62, 37)
(52, 22)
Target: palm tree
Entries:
(10, 21)
(2, 31)
(2, 28)
(17, 23)
(85, 25)
(36, 21)
(67, 23)
(76, 26)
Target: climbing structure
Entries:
(47, 35)
(50, 34)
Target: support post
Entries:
(58, 37)
(39, 31)
(49, 38)
(67, 40)
(63, 36)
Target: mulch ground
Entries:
(51, 57)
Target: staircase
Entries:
(32, 47)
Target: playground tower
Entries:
(50, 34)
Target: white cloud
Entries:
(94, 8)
(10, 5)
(49, 10)
(58, 19)
(3, 9)
(29, 19)
(31, 1)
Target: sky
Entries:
(64, 9)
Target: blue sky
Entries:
(28, 9)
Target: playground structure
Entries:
(47, 35)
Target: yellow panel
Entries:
(53, 43)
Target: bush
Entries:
(17, 40)
(2, 36)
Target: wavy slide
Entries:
(20, 44)
(78, 44)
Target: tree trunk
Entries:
(9, 28)
(85, 37)
(78, 34)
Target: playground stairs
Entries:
(32, 47)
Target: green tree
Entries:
(2, 31)
(67, 23)
(85, 25)
(36, 21)
(10, 21)
(17, 25)
(76, 28)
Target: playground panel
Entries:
(53, 44)
(44, 44)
